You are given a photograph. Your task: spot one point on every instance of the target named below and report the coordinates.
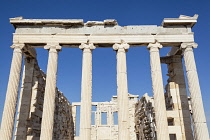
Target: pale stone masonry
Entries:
(27, 90)
(44, 112)
(104, 119)
(176, 88)
(30, 110)
(12, 93)
(122, 90)
(50, 92)
(199, 119)
(157, 87)
(86, 91)
(144, 118)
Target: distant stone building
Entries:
(105, 119)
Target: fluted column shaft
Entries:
(86, 92)
(50, 93)
(158, 91)
(8, 116)
(122, 92)
(199, 119)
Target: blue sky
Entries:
(132, 12)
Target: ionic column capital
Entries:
(18, 46)
(189, 45)
(123, 47)
(154, 46)
(89, 46)
(28, 51)
(53, 46)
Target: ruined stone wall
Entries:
(145, 116)
(63, 121)
(145, 119)
(177, 106)
(31, 106)
(176, 98)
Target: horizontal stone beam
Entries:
(91, 29)
(135, 40)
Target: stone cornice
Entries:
(37, 22)
(182, 20)
(19, 21)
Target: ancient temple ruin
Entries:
(44, 113)
(31, 106)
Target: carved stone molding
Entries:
(121, 47)
(153, 46)
(53, 46)
(189, 45)
(87, 46)
(18, 46)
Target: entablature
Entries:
(72, 32)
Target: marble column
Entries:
(198, 115)
(158, 91)
(86, 92)
(50, 93)
(122, 91)
(8, 116)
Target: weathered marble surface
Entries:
(176, 94)
(158, 92)
(31, 108)
(86, 91)
(8, 117)
(110, 130)
(67, 32)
